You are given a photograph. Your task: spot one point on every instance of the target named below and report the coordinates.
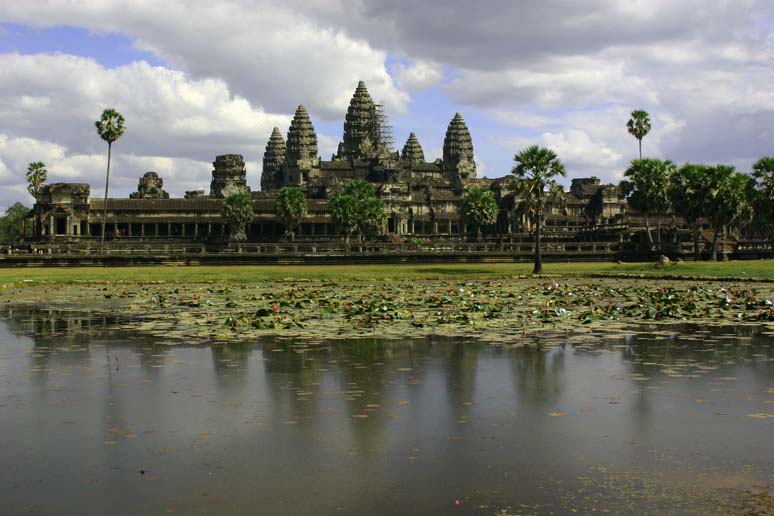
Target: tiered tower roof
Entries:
(302, 140)
(458, 147)
(412, 151)
(273, 160)
(359, 125)
(228, 172)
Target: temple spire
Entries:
(458, 149)
(302, 140)
(412, 150)
(360, 127)
(273, 161)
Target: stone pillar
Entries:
(156, 229)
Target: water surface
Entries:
(98, 420)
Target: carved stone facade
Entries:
(360, 127)
(421, 198)
(412, 150)
(150, 187)
(228, 173)
(273, 161)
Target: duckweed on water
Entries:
(500, 311)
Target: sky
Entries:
(199, 78)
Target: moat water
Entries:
(96, 420)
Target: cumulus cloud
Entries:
(64, 165)
(270, 53)
(418, 76)
(562, 73)
(174, 123)
(57, 98)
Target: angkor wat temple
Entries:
(422, 199)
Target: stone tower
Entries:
(412, 151)
(458, 150)
(360, 126)
(273, 161)
(151, 186)
(302, 140)
(228, 173)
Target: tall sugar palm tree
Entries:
(535, 170)
(110, 127)
(639, 126)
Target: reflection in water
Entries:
(378, 427)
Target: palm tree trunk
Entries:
(714, 257)
(639, 140)
(658, 232)
(696, 243)
(104, 207)
(647, 232)
(538, 258)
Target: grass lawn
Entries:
(753, 269)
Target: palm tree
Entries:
(479, 208)
(290, 207)
(688, 195)
(649, 188)
(535, 170)
(639, 126)
(763, 172)
(237, 211)
(727, 196)
(36, 176)
(110, 127)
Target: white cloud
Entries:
(418, 76)
(269, 53)
(182, 123)
(179, 174)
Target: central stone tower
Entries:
(360, 126)
(458, 157)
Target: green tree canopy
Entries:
(357, 210)
(727, 197)
(763, 172)
(11, 224)
(688, 195)
(36, 176)
(237, 212)
(290, 207)
(535, 170)
(639, 126)
(648, 189)
(110, 127)
(479, 207)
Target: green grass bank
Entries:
(743, 270)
